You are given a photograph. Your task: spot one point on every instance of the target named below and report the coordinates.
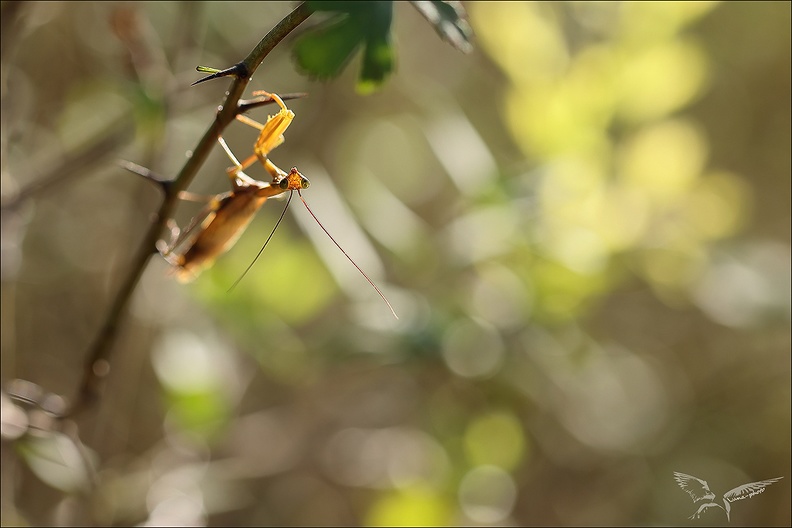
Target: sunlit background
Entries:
(584, 226)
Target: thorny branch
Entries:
(97, 364)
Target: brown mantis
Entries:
(227, 215)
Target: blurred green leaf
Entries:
(449, 20)
(417, 505)
(56, 460)
(295, 301)
(204, 412)
(377, 64)
(324, 51)
(495, 439)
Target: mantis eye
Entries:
(304, 183)
(284, 183)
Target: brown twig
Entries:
(97, 364)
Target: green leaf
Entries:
(449, 20)
(377, 65)
(324, 51)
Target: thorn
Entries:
(247, 104)
(238, 70)
(147, 174)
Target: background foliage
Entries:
(584, 225)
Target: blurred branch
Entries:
(450, 22)
(9, 14)
(97, 364)
(78, 162)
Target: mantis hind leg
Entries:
(178, 236)
(166, 248)
(188, 196)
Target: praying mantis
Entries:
(226, 216)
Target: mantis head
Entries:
(294, 181)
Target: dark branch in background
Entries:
(78, 162)
(9, 14)
(97, 364)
